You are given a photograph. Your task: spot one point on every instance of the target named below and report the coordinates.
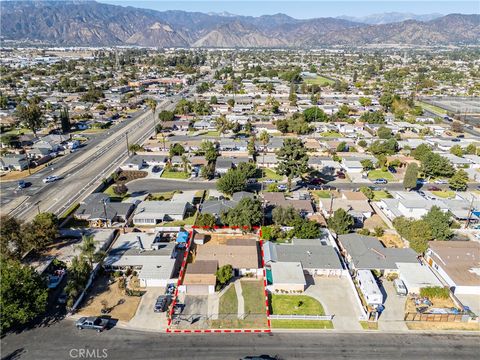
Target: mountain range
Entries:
(89, 23)
(390, 17)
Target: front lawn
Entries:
(332, 134)
(369, 325)
(175, 175)
(380, 194)
(269, 174)
(161, 196)
(445, 194)
(302, 324)
(254, 297)
(229, 302)
(295, 305)
(114, 196)
(320, 80)
(322, 194)
(380, 174)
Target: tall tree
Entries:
(65, 120)
(293, 159)
(340, 222)
(223, 125)
(232, 182)
(458, 181)
(31, 115)
(42, 231)
(152, 105)
(439, 223)
(264, 139)
(23, 294)
(247, 213)
(411, 176)
(89, 251)
(11, 237)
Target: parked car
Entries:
(162, 303)
(282, 187)
(380, 181)
(392, 170)
(341, 175)
(62, 298)
(50, 179)
(252, 181)
(400, 287)
(269, 181)
(422, 181)
(441, 182)
(22, 184)
(92, 322)
(56, 278)
(433, 188)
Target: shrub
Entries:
(435, 292)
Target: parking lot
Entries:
(337, 298)
(145, 317)
(392, 318)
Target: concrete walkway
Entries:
(241, 303)
(213, 306)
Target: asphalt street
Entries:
(62, 341)
(80, 172)
(143, 186)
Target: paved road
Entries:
(162, 185)
(62, 341)
(81, 172)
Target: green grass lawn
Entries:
(302, 324)
(255, 315)
(296, 305)
(320, 80)
(445, 194)
(380, 194)
(323, 194)
(213, 133)
(165, 196)
(332, 134)
(369, 325)
(379, 174)
(175, 175)
(229, 302)
(113, 196)
(269, 174)
(432, 108)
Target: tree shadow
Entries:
(16, 354)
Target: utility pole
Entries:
(105, 212)
(126, 139)
(28, 161)
(470, 211)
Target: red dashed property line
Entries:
(217, 331)
(180, 280)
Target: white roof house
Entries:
(416, 276)
(288, 276)
(155, 212)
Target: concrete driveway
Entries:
(145, 318)
(195, 312)
(392, 317)
(337, 298)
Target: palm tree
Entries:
(152, 105)
(89, 251)
(185, 163)
(159, 130)
(264, 139)
(222, 124)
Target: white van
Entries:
(400, 287)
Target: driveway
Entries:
(195, 312)
(145, 318)
(392, 317)
(337, 298)
(472, 301)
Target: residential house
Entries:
(156, 212)
(458, 263)
(99, 211)
(14, 162)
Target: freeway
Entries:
(83, 171)
(61, 340)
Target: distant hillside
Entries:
(90, 23)
(390, 17)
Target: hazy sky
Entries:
(308, 9)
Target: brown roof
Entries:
(203, 267)
(459, 259)
(347, 205)
(240, 256)
(278, 199)
(353, 195)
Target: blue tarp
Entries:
(182, 237)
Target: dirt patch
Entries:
(392, 241)
(123, 307)
(374, 221)
(126, 176)
(430, 325)
(436, 303)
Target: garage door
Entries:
(197, 289)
